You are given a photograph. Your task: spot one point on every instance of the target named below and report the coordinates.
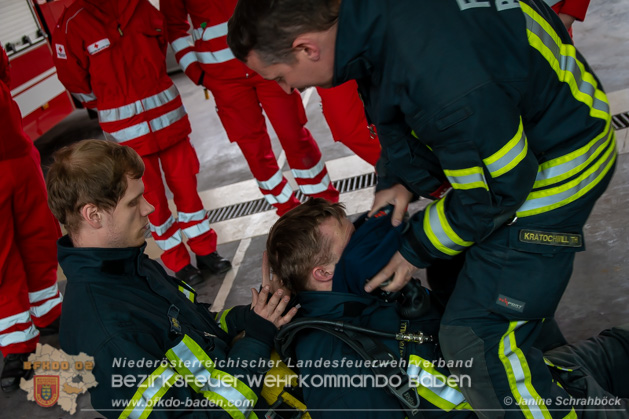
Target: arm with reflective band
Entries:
(223, 389)
(150, 391)
(73, 70)
(435, 387)
(180, 39)
(486, 159)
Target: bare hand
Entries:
(398, 196)
(272, 309)
(274, 283)
(567, 20)
(398, 267)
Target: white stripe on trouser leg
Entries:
(272, 182)
(23, 317)
(161, 229)
(171, 242)
(18, 337)
(316, 188)
(283, 197)
(186, 217)
(311, 173)
(197, 229)
(44, 294)
(43, 309)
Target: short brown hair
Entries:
(295, 244)
(89, 172)
(270, 26)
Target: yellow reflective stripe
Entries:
(230, 389)
(563, 167)
(226, 405)
(189, 295)
(549, 363)
(508, 156)
(519, 375)
(548, 199)
(563, 60)
(221, 319)
(192, 362)
(415, 135)
(571, 415)
(446, 397)
(471, 178)
(149, 392)
(439, 232)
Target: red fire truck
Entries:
(38, 92)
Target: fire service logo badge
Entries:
(46, 390)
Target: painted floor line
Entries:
(228, 282)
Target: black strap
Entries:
(367, 347)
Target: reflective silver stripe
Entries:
(272, 182)
(129, 133)
(239, 400)
(84, 97)
(182, 43)
(311, 173)
(167, 119)
(197, 229)
(196, 366)
(41, 295)
(316, 188)
(283, 196)
(161, 229)
(439, 232)
(525, 396)
(139, 106)
(510, 159)
(156, 383)
(187, 59)
(43, 309)
(220, 56)
(563, 168)
(186, 217)
(471, 178)
(445, 392)
(18, 337)
(216, 31)
(189, 295)
(197, 33)
(171, 242)
(566, 62)
(558, 196)
(551, 3)
(23, 317)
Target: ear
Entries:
(323, 273)
(308, 45)
(91, 214)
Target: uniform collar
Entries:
(90, 263)
(119, 11)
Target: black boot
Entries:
(213, 263)
(13, 371)
(51, 329)
(190, 275)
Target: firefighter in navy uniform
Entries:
(156, 349)
(493, 97)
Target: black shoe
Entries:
(213, 263)
(51, 329)
(13, 371)
(190, 275)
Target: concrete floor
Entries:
(597, 296)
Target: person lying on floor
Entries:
(316, 253)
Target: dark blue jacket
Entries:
(121, 307)
(489, 95)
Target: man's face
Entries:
(337, 234)
(300, 74)
(127, 224)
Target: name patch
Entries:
(510, 303)
(551, 238)
(98, 46)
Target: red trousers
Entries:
(345, 115)
(239, 103)
(29, 296)
(180, 165)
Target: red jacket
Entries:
(13, 142)
(111, 56)
(206, 49)
(574, 8)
